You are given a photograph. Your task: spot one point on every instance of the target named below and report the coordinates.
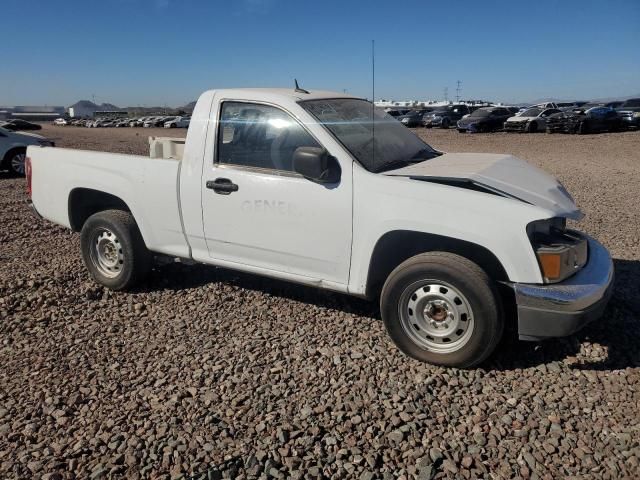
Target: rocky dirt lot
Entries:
(207, 373)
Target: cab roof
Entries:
(281, 93)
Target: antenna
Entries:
(446, 94)
(373, 102)
(458, 90)
(298, 89)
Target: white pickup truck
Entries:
(322, 189)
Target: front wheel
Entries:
(113, 249)
(443, 309)
(583, 128)
(445, 123)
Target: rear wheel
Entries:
(113, 249)
(445, 123)
(443, 309)
(533, 127)
(15, 161)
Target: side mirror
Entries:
(316, 164)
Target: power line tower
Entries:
(446, 94)
(458, 90)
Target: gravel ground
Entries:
(208, 373)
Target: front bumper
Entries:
(563, 308)
(630, 121)
(515, 126)
(432, 122)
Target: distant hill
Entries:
(189, 106)
(89, 105)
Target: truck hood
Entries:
(504, 174)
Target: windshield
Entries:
(635, 102)
(532, 112)
(481, 113)
(587, 106)
(350, 121)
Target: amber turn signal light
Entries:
(551, 264)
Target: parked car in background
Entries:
(485, 119)
(531, 120)
(137, 122)
(629, 113)
(18, 124)
(178, 122)
(60, 122)
(397, 112)
(13, 149)
(155, 122)
(445, 116)
(590, 118)
(413, 118)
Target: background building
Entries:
(32, 112)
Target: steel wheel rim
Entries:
(436, 316)
(106, 253)
(17, 163)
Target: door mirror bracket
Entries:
(316, 164)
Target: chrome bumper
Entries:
(563, 308)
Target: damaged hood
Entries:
(503, 174)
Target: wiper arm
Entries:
(425, 151)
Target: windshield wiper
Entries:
(420, 154)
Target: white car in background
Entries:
(155, 122)
(532, 120)
(13, 149)
(178, 122)
(60, 121)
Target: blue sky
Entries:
(156, 52)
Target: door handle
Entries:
(223, 186)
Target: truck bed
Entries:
(148, 186)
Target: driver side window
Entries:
(262, 136)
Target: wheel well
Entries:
(84, 202)
(395, 247)
(7, 155)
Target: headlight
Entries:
(560, 252)
(636, 114)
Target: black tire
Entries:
(445, 123)
(460, 130)
(461, 275)
(583, 128)
(133, 261)
(14, 161)
(532, 127)
(549, 131)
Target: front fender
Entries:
(384, 204)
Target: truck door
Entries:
(258, 212)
